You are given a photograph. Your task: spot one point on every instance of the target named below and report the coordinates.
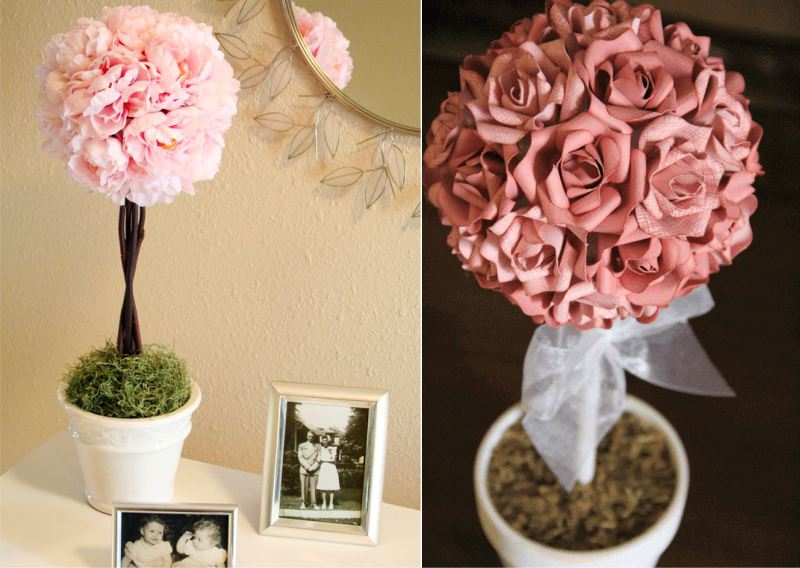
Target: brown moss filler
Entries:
(633, 485)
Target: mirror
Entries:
(384, 45)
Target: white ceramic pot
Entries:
(131, 460)
(515, 549)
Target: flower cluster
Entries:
(326, 43)
(594, 164)
(137, 103)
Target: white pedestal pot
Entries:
(131, 460)
(515, 549)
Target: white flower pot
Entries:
(129, 459)
(515, 549)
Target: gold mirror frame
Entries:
(333, 90)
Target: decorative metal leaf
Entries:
(343, 177)
(231, 7)
(332, 132)
(280, 74)
(377, 160)
(396, 167)
(253, 76)
(302, 141)
(417, 210)
(375, 186)
(249, 10)
(276, 121)
(233, 45)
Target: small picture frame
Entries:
(324, 462)
(174, 534)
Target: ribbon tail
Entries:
(567, 439)
(674, 359)
(553, 368)
(573, 388)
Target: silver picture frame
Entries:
(228, 510)
(376, 402)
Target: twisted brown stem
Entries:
(131, 235)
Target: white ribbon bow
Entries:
(573, 388)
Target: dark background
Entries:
(176, 525)
(744, 497)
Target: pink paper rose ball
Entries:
(594, 164)
(327, 44)
(137, 103)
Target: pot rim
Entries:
(188, 408)
(632, 404)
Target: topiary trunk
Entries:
(131, 235)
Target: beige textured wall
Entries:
(263, 275)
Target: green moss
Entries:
(152, 383)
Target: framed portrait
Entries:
(323, 462)
(168, 534)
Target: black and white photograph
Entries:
(324, 462)
(186, 535)
(322, 475)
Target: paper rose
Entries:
(326, 43)
(137, 103)
(594, 164)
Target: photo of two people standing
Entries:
(324, 456)
(317, 471)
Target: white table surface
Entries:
(45, 521)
